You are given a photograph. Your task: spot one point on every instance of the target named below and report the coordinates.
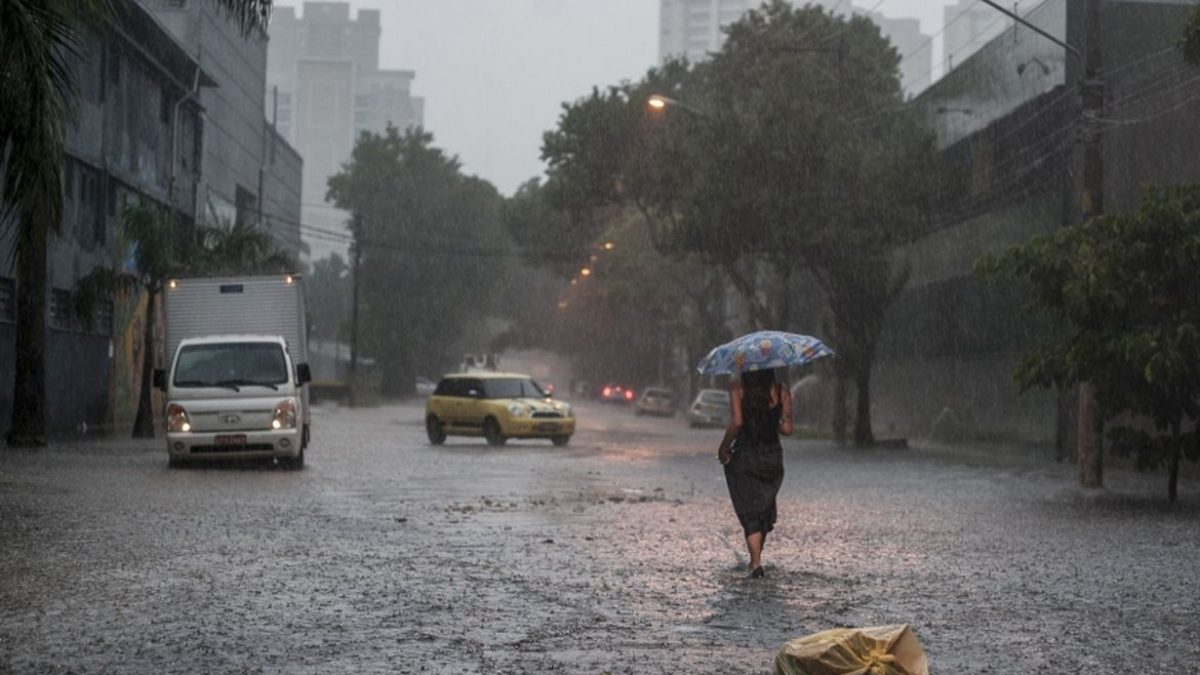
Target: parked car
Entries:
(711, 408)
(615, 393)
(496, 406)
(424, 386)
(656, 401)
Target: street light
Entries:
(660, 102)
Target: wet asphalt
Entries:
(617, 554)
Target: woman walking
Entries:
(761, 409)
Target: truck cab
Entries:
(236, 396)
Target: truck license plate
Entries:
(233, 439)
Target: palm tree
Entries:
(38, 40)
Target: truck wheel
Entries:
(433, 428)
(560, 441)
(491, 431)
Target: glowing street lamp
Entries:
(586, 272)
(660, 102)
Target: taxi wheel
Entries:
(560, 441)
(491, 431)
(433, 428)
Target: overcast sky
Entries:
(494, 73)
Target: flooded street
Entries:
(619, 553)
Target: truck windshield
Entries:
(231, 364)
(512, 388)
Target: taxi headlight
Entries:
(517, 410)
(284, 416)
(177, 419)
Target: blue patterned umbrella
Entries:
(763, 350)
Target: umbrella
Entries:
(763, 350)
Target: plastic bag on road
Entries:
(880, 650)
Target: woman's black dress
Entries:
(755, 471)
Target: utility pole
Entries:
(1090, 423)
(356, 225)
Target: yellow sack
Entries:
(881, 650)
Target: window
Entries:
(8, 300)
(362, 118)
(60, 309)
(364, 101)
(247, 206)
(102, 320)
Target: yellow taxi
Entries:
(496, 406)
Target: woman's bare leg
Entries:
(754, 543)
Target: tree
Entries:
(38, 41)
(1126, 285)
(769, 167)
(163, 247)
(329, 297)
(433, 252)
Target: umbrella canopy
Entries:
(763, 350)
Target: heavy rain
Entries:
(551, 336)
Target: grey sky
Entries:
(494, 72)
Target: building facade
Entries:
(326, 88)
(137, 134)
(1008, 122)
(249, 171)
(914, 48)
(693, 28)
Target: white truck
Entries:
(239, 362)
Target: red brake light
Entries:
(628, 394)
(608, 391)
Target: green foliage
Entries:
(433, 253)
(773, 162)
(1127, 286)
(330, 294)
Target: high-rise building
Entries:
(969, 25)
(914, 47)
(692, 28)
(325, 87)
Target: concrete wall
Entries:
(952, 341)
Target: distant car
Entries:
(656, 401)
(497, 406)
(711, 408)
(615, 393)
(424, 386)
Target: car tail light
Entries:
(628, 394)
(607, 391)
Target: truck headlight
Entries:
(177, 419)
(284, 416)
(517, 410)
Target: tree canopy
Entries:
(786, 159)
(432, 248)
